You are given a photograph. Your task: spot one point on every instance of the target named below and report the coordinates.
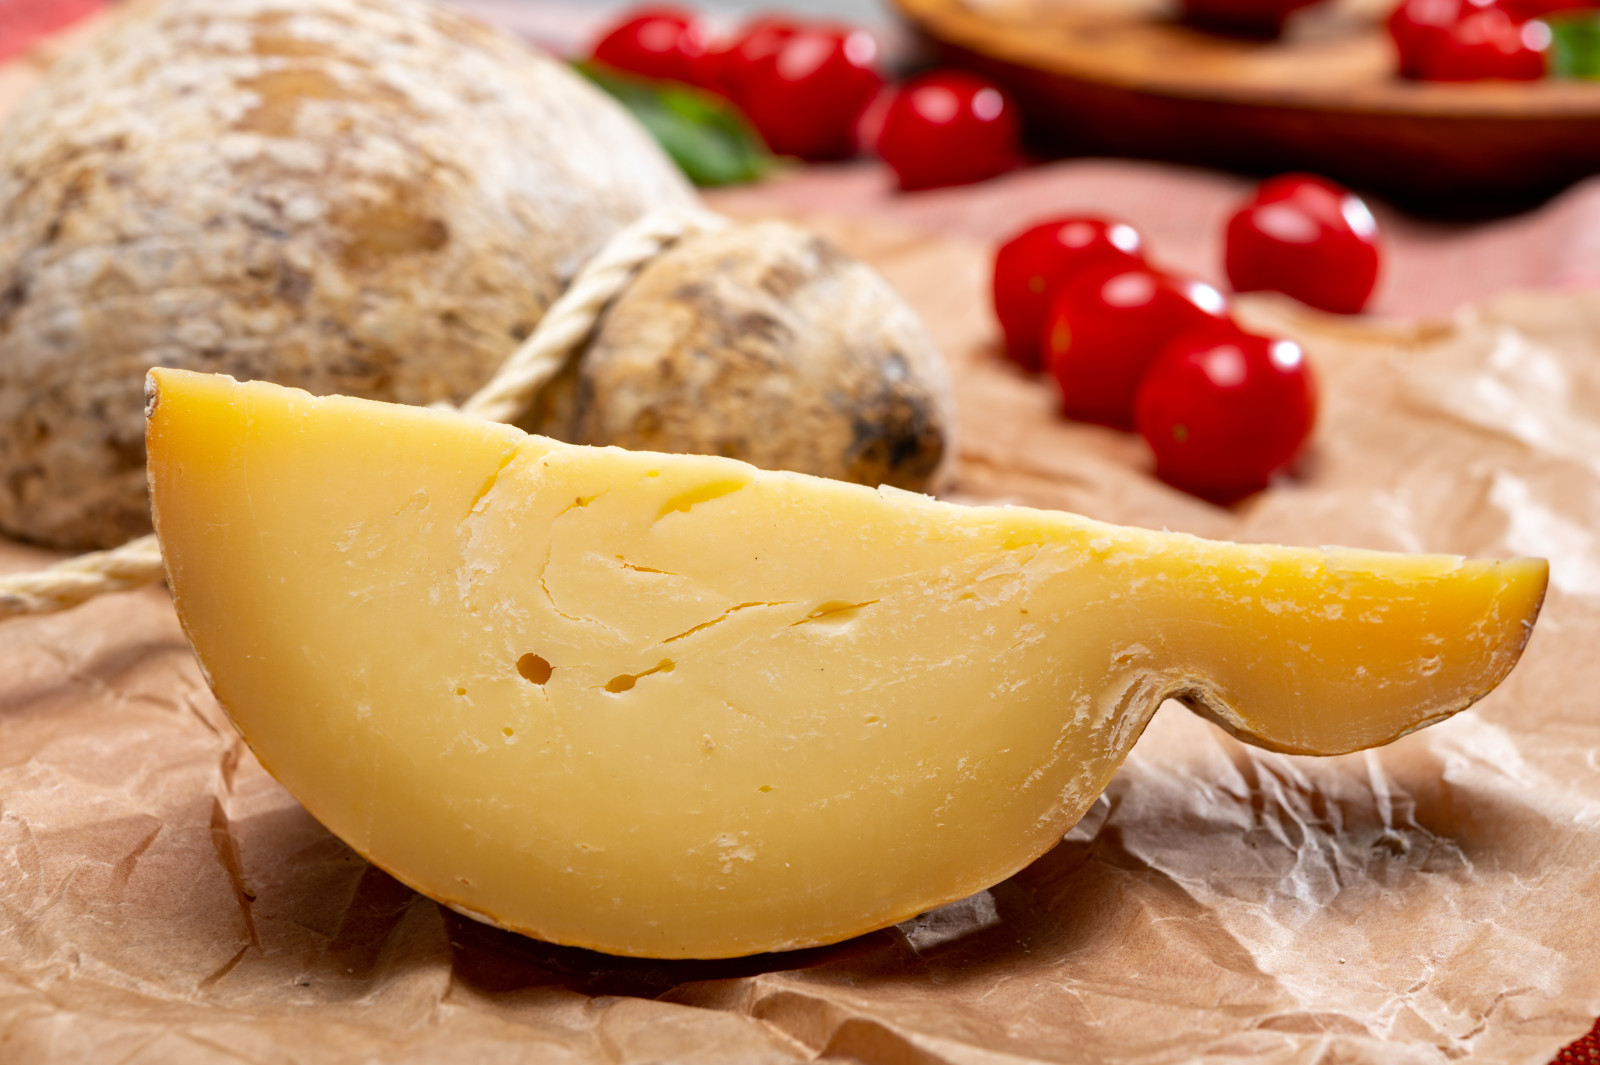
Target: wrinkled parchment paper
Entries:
(162, 900)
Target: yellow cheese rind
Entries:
(674, 706)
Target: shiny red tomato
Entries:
(1488, 43)
(663, 42)
(1226, 411)
(1468, 40)
(949, 127)
(1031, 265)
(1107, 323)
(806, 96)
(1415, 26)
(731, 61)
(1307, 237)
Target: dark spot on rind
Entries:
(11, 300)
(757, 325)
(73, 196)
(782, 280)
(896, 440)
(383, 230)
(693, 293)
(293, 286)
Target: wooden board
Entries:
(1124, 77)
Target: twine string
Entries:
(68, 583)
(560, 333)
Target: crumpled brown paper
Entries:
(163, 900)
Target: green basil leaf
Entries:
(1575, 45)
(705, 135)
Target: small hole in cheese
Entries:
(835, 612)
(684, 502)
(625, 681)
(509, 731)
(534, 668)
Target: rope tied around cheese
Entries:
(512, 389)
(572, 316)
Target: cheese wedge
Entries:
(675, 706)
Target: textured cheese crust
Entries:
(765, 343)
(373, 197)
(675, 706)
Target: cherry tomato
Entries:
(949, 128)
(1257, 19)
(806, 96)
(1030, 266)
(1307, 237)
(732, 60)
(1225, 411)
(1467, 40)
(1488, 43)
(1416, 25)
(1108, 323)
(667, 43)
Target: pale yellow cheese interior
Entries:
(676, 706)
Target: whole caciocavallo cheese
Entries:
(675, 706)
(374, 197)
(763, 342)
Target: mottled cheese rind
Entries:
(675, 706)
(371, 197)
(766, 343)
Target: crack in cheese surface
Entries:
(675, 706)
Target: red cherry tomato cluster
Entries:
(1307, 237)
(807, 89)
(1135, 347)
(803, 85)
(1471, 40)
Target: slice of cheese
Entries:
(675, 706)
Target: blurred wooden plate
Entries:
(1123, 77)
